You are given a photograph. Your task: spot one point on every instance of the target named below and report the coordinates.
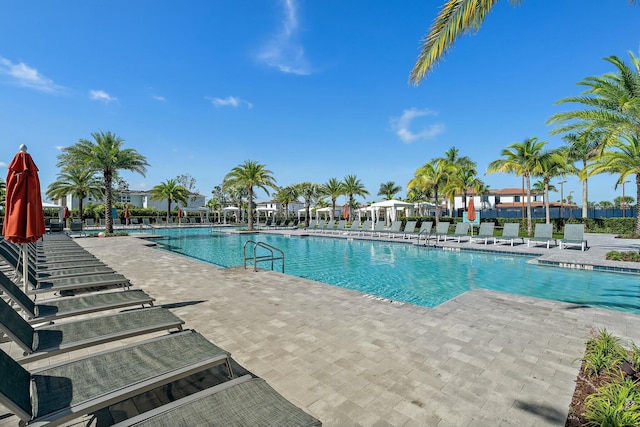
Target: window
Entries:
(485, 198)
(516, 199)
(125, 199)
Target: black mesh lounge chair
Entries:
(243, 401)
(485, 233)
(543, 233)
(78, 282)
(58, 308)
(574, 236)
(59, 393)
(510, 233)
(46, 341)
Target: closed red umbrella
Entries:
(345, 212)
(66, 213)
(471, 211)
(127, 215)
(24, 217)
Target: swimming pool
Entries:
(409, 273)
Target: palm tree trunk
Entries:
(306, 212)
(529, 222)
(546, 201)
(585, 205)
(333, 207)
(80, 208)
(638, 205)
(108, 219)
(250, 211)
(168, 210)
(438, 207)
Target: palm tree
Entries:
(3, 191)
(522, 159)
(552, 164)
(432, 176)
(456, 17)
(286, 196)
(310, 192)
(389, 189)
(78, 181)
(105, 155)
(249, 175)
(333, 188)
(623, 159)
(170, 190)
(582, 148)
(612, 105)
(353, 187)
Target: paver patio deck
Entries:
(482, 359)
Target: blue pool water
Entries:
(408, 273)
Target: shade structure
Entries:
(471, 211)
(24, 217)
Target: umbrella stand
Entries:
(25, 267)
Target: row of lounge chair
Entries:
(543, 233)
(61, 392)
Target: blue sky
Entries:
(311, 89)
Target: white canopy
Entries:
(234, 209)
(52, 206)
(392, 206)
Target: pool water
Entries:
(410, 273)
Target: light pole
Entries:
(561, 184)
(622, 202)
(570, 201)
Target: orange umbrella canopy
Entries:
(471, 211)
(24, 217)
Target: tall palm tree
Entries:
(286, 196)
(333, 188)
(552, 164)
(353, 187)
(522, 159)
(171, 191)
(249, 175)
(105, 155)
(623, 159)
(78, 181)
(456, 17)
(310, 192)
(584, 149)
(432, 176)
(389, 190)
(611, 105)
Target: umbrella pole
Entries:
(25, 267)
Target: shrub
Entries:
(614, 405)
(603, 354)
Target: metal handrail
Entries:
(426, 240)
(261, 258)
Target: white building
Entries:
(140, 199)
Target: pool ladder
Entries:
(261, 258)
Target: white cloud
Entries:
(59, 147)
(3, 165)
(230, 101)
(284, 51)
(401, 125)
(25, 76)
(100, 95)
(159, 98)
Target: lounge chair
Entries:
(78, 282)
(355, 227)
(244, 401)
(378, 228)
(55, 226)
(341, 227)
(543, 233)
(58, 308)
(49, 340)
(146, 221)
(60, 393)
(574, 236)
(409, 229)
(442, 229)
(485, 233)
(89, 222)
(461, 230)
(76, 227)
(366, 226)
(510, 232)
(394, 229)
